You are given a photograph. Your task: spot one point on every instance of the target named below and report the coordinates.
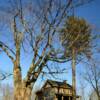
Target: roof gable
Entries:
(56, 84)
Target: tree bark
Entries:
(98, 95)
(22, 92)
(73, 75)
(26, 92)
(17, 81)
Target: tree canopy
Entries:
(76, 34)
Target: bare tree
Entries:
(92, 76)
(32, 27)
(35, 34)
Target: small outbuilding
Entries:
(54, 90)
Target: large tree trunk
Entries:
(17, 81)
(73, 74)
(26, 92)
(21, 91)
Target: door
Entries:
(59, 97)
(66, 98)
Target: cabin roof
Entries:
(58, 84)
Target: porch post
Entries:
(55, 97)
(69, 98)
(62, 98)
(44, 98)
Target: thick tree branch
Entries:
(6, 49)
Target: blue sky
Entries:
(91, 12)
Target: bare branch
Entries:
(6, 49)
(4, 75)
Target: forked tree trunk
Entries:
(17, 81)
(21, 91)
(26, 93)
(17, 93)
(73, 74)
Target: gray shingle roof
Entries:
(58, 84)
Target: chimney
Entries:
(65, 81)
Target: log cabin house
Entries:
(54, 90)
